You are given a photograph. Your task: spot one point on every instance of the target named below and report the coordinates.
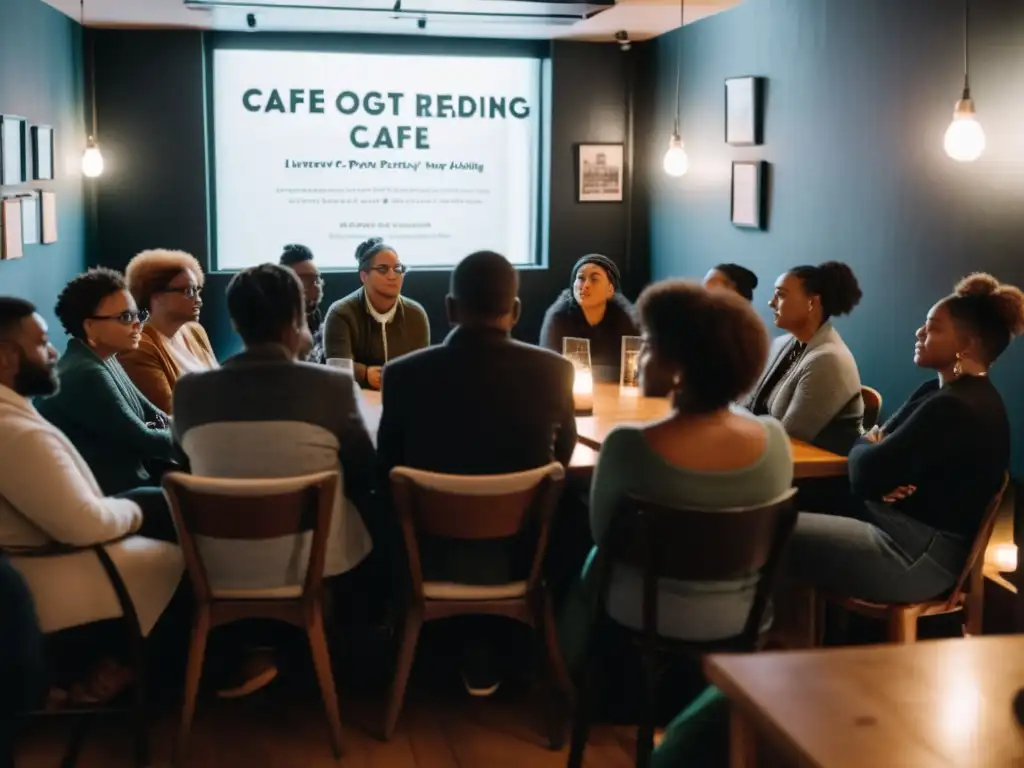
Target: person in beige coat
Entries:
(49, 495)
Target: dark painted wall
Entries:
(151, 108)
(859, 96)
(41, 80)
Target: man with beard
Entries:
(48, 495)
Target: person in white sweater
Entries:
(48, 495)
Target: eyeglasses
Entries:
(128, 317)
(316, 280)
(383, 269)
(189, 292)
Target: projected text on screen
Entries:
(437, 154)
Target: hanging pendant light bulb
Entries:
(676, 163)
(92, 158)
(965, 139)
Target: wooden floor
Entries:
(285, 731)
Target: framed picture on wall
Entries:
(48, 216)
(42, 152)
(12, 149)
(30, 220)
(10, 229)
(749, 209)
(744, 98)
(600, 171)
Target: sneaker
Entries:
(257, 670)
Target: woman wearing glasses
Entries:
(299, 259)
(111, 423)
(376, 323)
(168, 285)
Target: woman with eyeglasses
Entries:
(168, 285)
(111, 423)
(376, 323)
(299, 259)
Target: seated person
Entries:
(293, 418)
(811, 383)
(376, 324)
(300, 260)
(49, 496)
(921, 483)
(444, 406)
(168, 285)
(732, 277)
(115, 428)
(592, 309)
(703, 454)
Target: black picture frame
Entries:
(748, 199)
(602, 187)
(12, 150)
(42, 153)
(744, 110)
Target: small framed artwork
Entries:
(10, 242)
(744, 98)
(42, 152)
(12, 149)
(748, 194)
(30, 220)
(600, 169)
(48, 216)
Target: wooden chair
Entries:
(872, 406)
(136, 707)
(687, 545)
(968, 595)
(248, 510)
(477, 508)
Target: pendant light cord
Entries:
(92, 67)
(967, 37)
(679, 60)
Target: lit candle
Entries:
(583, 390)
(1004, 557)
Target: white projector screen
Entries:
(438, 155)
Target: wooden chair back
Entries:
(251, 510)
(872, 406)
(476, 507)
(689, 544)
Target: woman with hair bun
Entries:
(732, 277)
(376, 323)
(811, 383)
(921, 482)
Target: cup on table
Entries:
(342, 363)
(577, 351)
(629, 376)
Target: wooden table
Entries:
(934, 704)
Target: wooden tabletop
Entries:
(933, 704)
(611, 408)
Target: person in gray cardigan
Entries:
(811, 383)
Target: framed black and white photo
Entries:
(743, 110)
(749, 207)
(12, 150)
(48, 216)
(42, 152)
(600, 173)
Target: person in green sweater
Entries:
(376, 323)
(111, 423)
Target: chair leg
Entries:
(561, 682)
(645, 733)
(403, 667)
(583, 715)
(141, 714)
(974, 604)
(324, 673)
(193, 675)
(902, 626)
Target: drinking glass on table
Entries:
(629, 376)
(577, 351)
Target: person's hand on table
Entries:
(373, 376)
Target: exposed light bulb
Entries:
(965, 140)
(676, 162)
(92, 160)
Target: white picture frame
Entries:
(748, 206)
(600, 170)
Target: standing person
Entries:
(299, 259)
(811, 383)
(592, 308)
(375, 324)
(443, 406)
(169, 286)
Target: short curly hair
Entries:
(715, 338)
(79, 299)
(151, 271)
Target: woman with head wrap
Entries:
(376, 323)
(592, 309)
